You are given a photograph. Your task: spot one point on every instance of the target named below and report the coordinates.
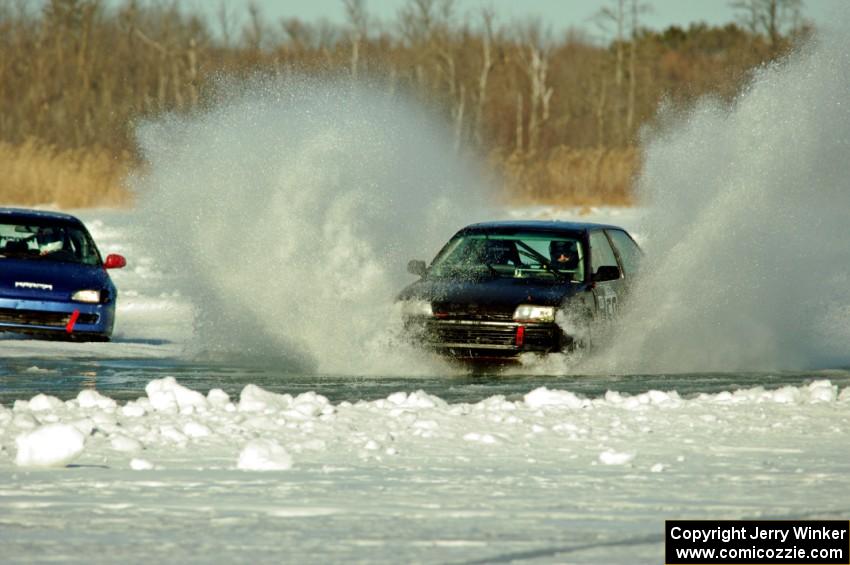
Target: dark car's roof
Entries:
(512, 226)
(18, 214)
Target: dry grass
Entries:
(569, 176)
(35, 173)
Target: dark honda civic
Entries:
(499, 289)
(53, 281)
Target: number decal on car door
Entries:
(607, 302)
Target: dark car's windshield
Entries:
(44, 240)
(530, 255)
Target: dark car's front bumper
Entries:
(51, 318)
(484, 339)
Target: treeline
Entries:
(547, 109)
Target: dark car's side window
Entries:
(601, 254)
(630, 253)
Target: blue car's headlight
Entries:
(90, 296)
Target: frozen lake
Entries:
(156, 451)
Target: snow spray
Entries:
(748, 227)
(292, 206)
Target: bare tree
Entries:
(619, 16)
(253, 31)
(457, 114)
(426, 27)
(637, 9)
(608, 18)
(534, 58)
(356, 12)
(487, 17)
(769, 17)
(227, 22)
(518, 147)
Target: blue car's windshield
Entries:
(534, 255)
(46, 241)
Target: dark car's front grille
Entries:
(491, 335)
(472, 334)
(465, 312)
(42, 318)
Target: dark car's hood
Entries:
(48, 280)
(491, 292)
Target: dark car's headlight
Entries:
(90, 296)
(532, 313)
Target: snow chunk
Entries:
(481, 438)
(425, 425)
(166, 395)
(93, 399)
(264, 455)
(542, 396)
(218, 398)
(194, 429)
(310, 404)
(24, 421)
(133, 410)
(53, 445)
(172, 434)
(418, 399)
(45, 403)
(785, 395)
(84, 425)
(822, 391)
(256, 399)
(611, 457)
(140, 465)
(125, 444)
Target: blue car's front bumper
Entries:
(94, 321)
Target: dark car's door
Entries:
(628, 253)
(606, 293)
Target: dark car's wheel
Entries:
(582, 339)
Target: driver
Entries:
(563, 254)
(49, 241)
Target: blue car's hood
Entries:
(491, 292)
(48, 280)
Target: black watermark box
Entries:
(757, 542)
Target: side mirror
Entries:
(607, 273)
(114, 261)
(417, 268)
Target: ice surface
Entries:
(411, 476)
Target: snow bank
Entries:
(262, 430)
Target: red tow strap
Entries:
(520, 335)
(70, 327)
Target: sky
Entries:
(560, 15)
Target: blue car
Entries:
(53, 281)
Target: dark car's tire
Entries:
(583, 342)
